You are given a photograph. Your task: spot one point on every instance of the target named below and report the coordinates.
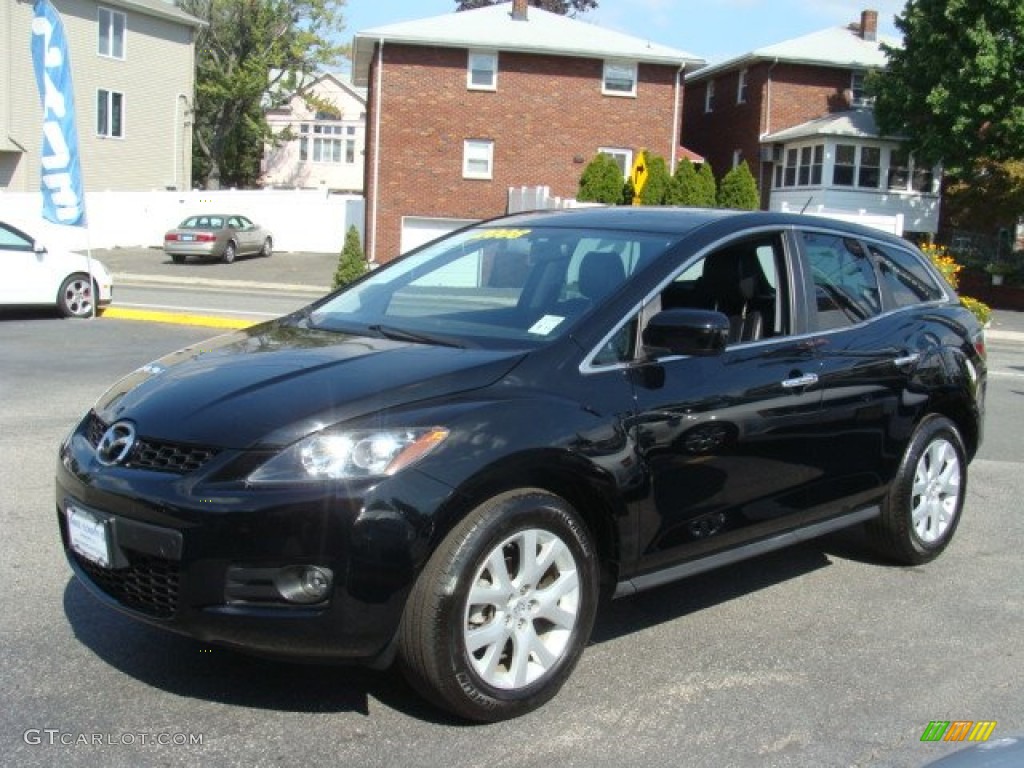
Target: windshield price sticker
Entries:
(546, 325)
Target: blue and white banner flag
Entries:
(61, 173)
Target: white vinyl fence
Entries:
(300, 220)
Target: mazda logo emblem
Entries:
(115, 445)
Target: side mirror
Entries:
(696, 332)
(38, 248)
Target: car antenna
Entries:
(807, 203)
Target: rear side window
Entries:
(845, 286)
(904, 278)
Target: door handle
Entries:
(910, 359)
(800, 381)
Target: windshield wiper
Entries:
(401, 334)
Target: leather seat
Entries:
(734, 284)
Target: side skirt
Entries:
(747, 551)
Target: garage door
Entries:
(418, 230)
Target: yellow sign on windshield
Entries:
(499, 234)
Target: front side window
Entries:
(482, 71)
(619, 78)
(109, 113)
(13, 240)
(845, 287)
(478, 159)
(111, 27)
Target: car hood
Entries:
(274, 383)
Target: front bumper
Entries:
(200, 557)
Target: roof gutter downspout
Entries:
(376, 151)
(676, 138)
(767, 131)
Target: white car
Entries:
(33, 275)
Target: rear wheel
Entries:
(230, 252)
(922, 509)
(75, 298)
(267, 249)
(499, 617)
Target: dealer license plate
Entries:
(188, 238)
(88, 536)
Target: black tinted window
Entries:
(904, 277)
(845, 286)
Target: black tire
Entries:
(268, 248)
(76, 296)
(177, 258)
(230, 252)
(922, 509)
(433, 648)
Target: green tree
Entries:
(252, 55)
(601, 181)
(739, 190)
(706, 190)
(682, 189)
(352, 261)
(956, 89)
(655, 191)
(564, 7)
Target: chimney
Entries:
(519, 9)
(869, 25)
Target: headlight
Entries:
(347, 455)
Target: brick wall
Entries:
(547, 119)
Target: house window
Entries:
(737, 157)
(477, 159)
(870, 173)
(858, 95)
(846, 163)
(899, 169)
(622, 157)
(802, 168)
(482, 71)
(922, 179)
(741, 88)
(619, 79)
(334, 144)
(709, 96)
(109, 113)
(111, 25)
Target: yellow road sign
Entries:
(638, 175)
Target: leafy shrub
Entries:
(352, 261)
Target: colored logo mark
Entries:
(958, 730)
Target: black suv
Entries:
(446, 461)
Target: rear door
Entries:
(870, 350)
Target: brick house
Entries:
(462, 107)
(327, 145)
(133, 117)
(797, 113)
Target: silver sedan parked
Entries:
(217, 236)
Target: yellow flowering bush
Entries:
(950, 270)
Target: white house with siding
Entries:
(134, 78)
(322, 148)
(840, 164)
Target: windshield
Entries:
(493, 286)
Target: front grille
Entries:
(161, 456)
(148, 585)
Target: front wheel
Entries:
(75, 297)
(922, 508)
(500, 615)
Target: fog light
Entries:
(305, 584)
